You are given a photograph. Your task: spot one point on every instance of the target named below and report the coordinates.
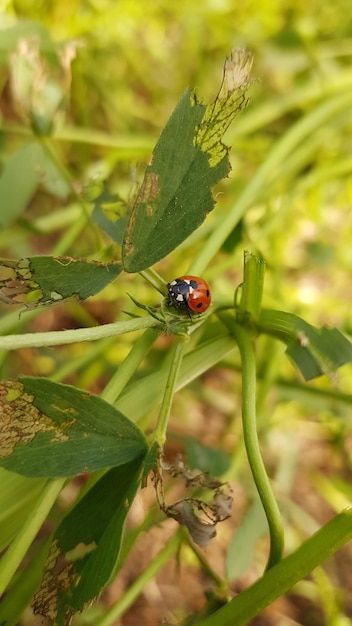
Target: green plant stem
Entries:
(18, 548)
(125, 371)
(210, 573)
(69, 236)
(60, 337)
(153, 278)
(127, 147)
(252, 287)
(280, 578)
(252, 444)
(159, 434)
(136, 588)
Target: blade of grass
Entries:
(283, 148)
(280, 578)
(15, 553)
(139, 584)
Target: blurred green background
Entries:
(100, 79)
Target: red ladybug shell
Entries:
(191, 292)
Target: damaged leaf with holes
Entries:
(199, 516)
(83, 556)
(46, 280)
(189, 159)
(49, 430)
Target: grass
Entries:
(288, 197)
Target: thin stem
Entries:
(69, 236)
(209, 571)
(153, 278)
(127, 147)
(159, 434)
(252, 444)
(18, 548)
(125, 371)
(60, 337)
(138, 585)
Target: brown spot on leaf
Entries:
(149, 188)
(16, 281)
(59, 575)
(21, 421)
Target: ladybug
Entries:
(189, 292)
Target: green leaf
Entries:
(85, 548)
(241, 548)
(46, 280)
(18, 496)
(334, 346)
(36, 168)
(306, 362)
(189, 158)
(111, 214)
(209, 460)
(48, 430)
(14, 197)
(315, 351)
